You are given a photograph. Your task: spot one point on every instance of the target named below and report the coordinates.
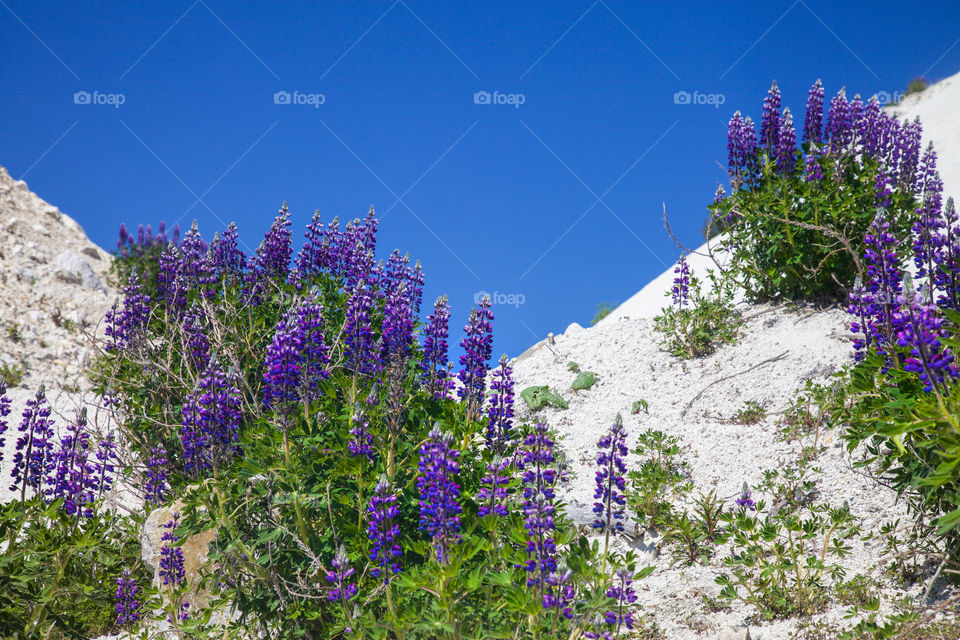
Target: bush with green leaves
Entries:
(659, 481)
(310, 411)
(798, 211)
(696, 323)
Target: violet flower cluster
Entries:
(539, 481)
(434, 366)
(127, 605)
(383, 531)
(477, 345)
(500, 410)
(610, 493)
(225, 255)
(155, 485)
(922, 331)
(343, 590)
(360, 351)
(559, 593)
(171, 571)
(297, 357)
(492, 496)
(33, 459)
(439, 492)
(124, 327)
(196, 345)
(130, 245)
(681, 283)
(210, 421)
(4, 412)
(74, 477)
(875, 303)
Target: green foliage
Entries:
(638, 406)
(710, 320)
(584, 380)
(788, 238)
(573, 366)
(916, 85)
(58, 572)
(779, 561)
(603, 310)
(13, 373)
(750, 413)
(659, 481)
(13, 332)
(539, 397)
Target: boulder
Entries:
(72, 268)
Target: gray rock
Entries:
(93, 252)
(73, 269)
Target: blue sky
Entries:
(548, 192)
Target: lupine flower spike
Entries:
(439, 492)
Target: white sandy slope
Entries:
(781, 348)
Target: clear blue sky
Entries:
(557, 199)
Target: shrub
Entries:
(796, 217)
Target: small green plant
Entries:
(751, 413)
(13, 332)
(584, 380)
(660, 480)
(779, 562)
(638, 406)
(539, 397)
(603, 310)
(573, 366)
(12, 373)
(858, 591)
(791, 487)
(916, 85)
(696, 324)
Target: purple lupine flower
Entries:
(196, 345)
(812, 171)
(875, 305)
(195, 270)
(770, 120)
(33, 459)
(171, 571)
(559, 593)
(882, 187)
(719, 195)
(282, 369)
(123, 236)
(74, 478)
(493, 488)
(839, 129)
(927, 230)
(343, 590)
(226, 256)
(737, 154)
(273, 256)
(314, 353)
(4, 412)
(156, 487)
(360, 443)
(416, 280)
(397, 327)
(621, 591)
(439, 492)
(813, 118)
(434, 366)
(869, 128)
(751, 150)
(681, 283)
(383, 531)
(170, 282)
(210, 421)
(360, 351)
(785, 152)
(921, 330)
(105, 467)
(500, 411)
(610, 493)
(315, 255)
(477, 344)
(539, 479)
(126, 327)
(744, 501)
(909, 143)
(947, 277)
(127, 605)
